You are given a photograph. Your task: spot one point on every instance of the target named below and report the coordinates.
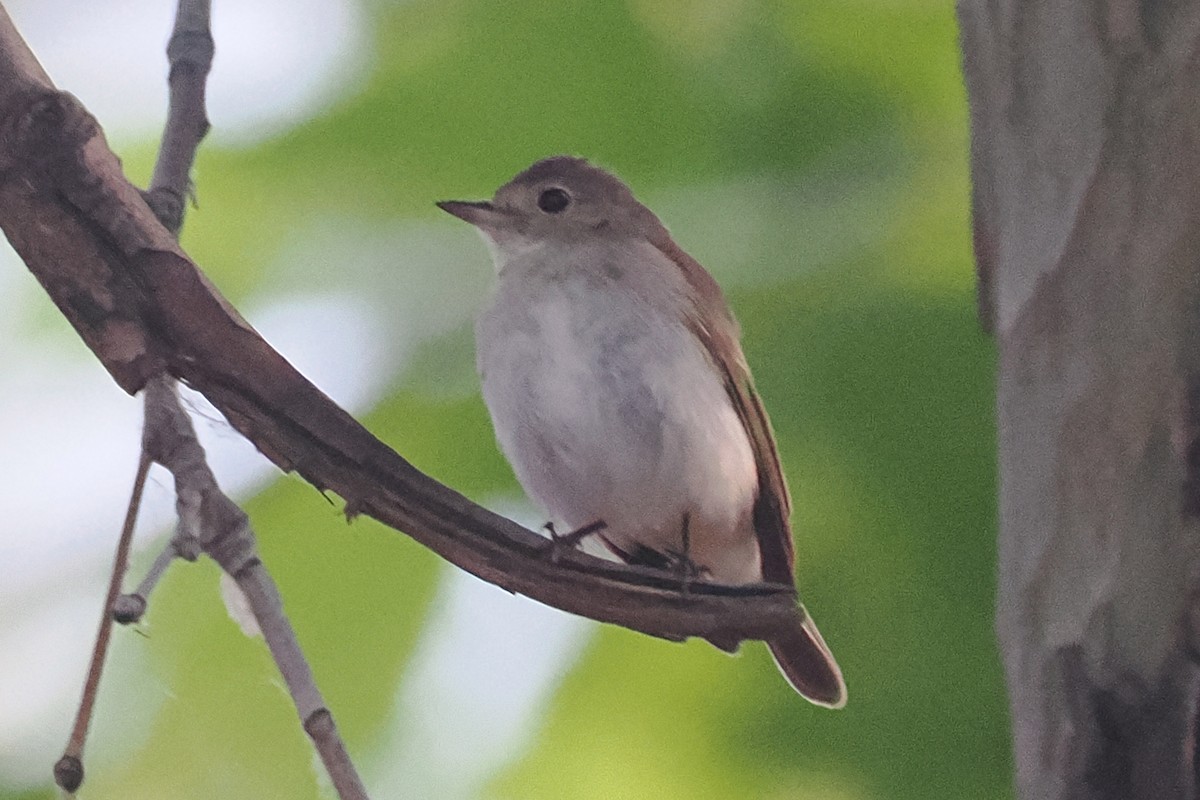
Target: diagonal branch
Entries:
(143, 307)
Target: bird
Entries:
(612, 369)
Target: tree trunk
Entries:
(1085, 122)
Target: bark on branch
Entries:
(143, 307)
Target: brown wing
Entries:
(716, 328)
(800, 651)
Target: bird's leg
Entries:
(569, 541)
(687, 569)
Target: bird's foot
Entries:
(686, 571)
(559, 543)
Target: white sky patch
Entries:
(484, 671)
(70, 436)
(277, 63)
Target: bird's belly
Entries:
(612, 414)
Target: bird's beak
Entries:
(480, 214)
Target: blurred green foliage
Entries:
(869, 358)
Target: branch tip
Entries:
(68, 773)
(128, 608)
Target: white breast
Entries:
(609, 408)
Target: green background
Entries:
(813, 156)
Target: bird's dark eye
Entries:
(553, 201)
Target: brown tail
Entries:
(804, 659)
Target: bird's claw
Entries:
(558, 543)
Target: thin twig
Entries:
(68, 770)
(130, 607)
(225, 535)
(206, 514)
(190, 55)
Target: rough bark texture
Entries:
(1085, 121)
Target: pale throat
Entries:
(510, 248)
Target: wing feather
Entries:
(717, 330)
